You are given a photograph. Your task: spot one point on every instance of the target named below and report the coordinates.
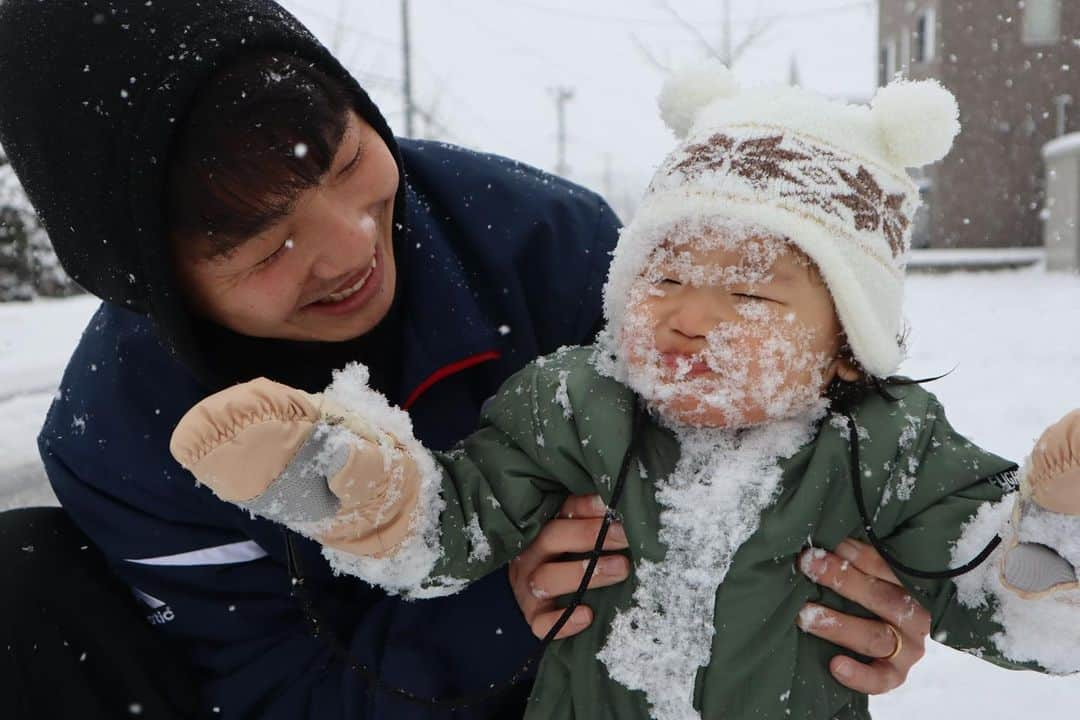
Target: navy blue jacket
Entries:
(504, 263)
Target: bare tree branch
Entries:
(710, 50)
(434, 129)
(758, 29)
(649, 56)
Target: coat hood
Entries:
(92, 95)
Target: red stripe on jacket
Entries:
(447, 371)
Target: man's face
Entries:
(730, 332)
(326, 270)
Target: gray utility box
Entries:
(1061, 216)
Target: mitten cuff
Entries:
(1043, 556)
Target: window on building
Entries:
(923, 38)
(1042, 22)
(887, 62)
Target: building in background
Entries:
(1014, 66)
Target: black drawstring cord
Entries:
(296, 580)
(856, 480)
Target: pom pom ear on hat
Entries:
(689, 90)
(918, 121)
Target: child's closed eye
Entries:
(752, 297)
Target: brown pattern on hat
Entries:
(758, 160)
(822, 202)
(875, 209)
(708, 155)
(819, 175)
(895, 223)
(811, 175)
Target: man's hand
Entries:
(861, 575)
(857, 572)
(538, 577)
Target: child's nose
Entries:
(697, 315)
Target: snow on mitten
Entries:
(1043, 555)
(301, 460)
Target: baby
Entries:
(738, 407)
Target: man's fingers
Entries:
(537, 575)
(582, 506)
(874, 679)
(543, 622)
(577, 536)
(871, 638)
(861, 575)
(885, 599)
(867, 559)
(561, 578)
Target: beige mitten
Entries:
(301, 460)
(1043, 555)
(1053, 478)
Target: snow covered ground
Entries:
(35, 341)
(1012, 337)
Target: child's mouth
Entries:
(685, 366)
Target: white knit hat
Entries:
(827, 176)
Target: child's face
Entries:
(730, 331)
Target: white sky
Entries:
(485, 68)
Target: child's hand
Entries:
(298, 459)
(1043, 556)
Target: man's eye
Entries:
(272, 257)
(354, 163)
(669, 281)
(748, 296)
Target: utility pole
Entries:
(794, 78)
(725, 40)
(608, 182)
(339, 28)
(406, 46)
(562, 96)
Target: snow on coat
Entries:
(723, 617)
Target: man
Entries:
(223, 184)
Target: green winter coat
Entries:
(558, 427)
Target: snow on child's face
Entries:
(729, 329)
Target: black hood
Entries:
(92, 93)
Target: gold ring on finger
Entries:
(899, 642)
